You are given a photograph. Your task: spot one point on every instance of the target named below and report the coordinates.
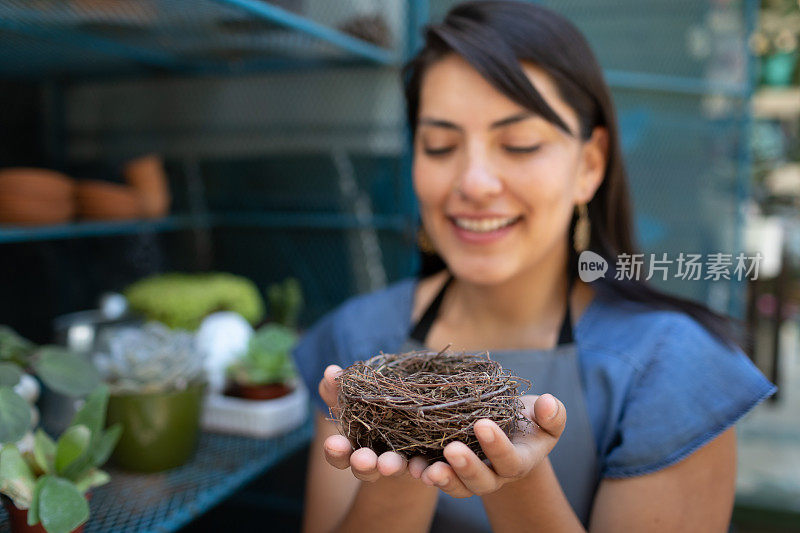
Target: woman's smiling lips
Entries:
(483, 229)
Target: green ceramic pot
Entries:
(160, 430)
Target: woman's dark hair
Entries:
(494, 36)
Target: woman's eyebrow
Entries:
(511, 120)
(439, 123)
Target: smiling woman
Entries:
(517, 170)
(496, 183)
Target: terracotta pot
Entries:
(257, 392)
(147, 175)
(19, 518)
(36, 183)
(31, 211)
(100, 200)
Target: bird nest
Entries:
(416, 403)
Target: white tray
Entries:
(255, 418)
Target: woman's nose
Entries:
(478, 180)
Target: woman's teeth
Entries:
(484, 225)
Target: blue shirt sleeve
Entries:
(692, 389)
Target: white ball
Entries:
(221, 338)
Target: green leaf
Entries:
(93, 413)
(91, 479)
(65, 372)
(74, 443)
(16, 478)
(62, 507)
(10, 374)
(44, 451)
(13, 347)
(15, 416)
(103, 446)
(33, 510)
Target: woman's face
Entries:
(497, 184)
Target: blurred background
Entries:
(267, 140)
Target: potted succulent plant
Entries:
(182, 300)
(61, 370)
(265, 370)
(285, 301)
(157, 381)
(259, 395)
(45, 489)
(776, 43)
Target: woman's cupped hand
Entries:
(463, 474)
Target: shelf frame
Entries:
(324, 33)
(141, 57)
(242, 220)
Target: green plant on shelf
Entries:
(182, 300)
(157, 379)
(268, 358)
(776, 40)
(148, 359)
(285, 302)
(51, 481)
(59, 369)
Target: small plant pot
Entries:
(160, 430)
(777, 70)
(257, 392)
(18, 518)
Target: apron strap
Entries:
(420, 330)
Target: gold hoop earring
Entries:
(424, 241)
(583, 229)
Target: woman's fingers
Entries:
(364, 464)
(471, 471)
(416, 466)
(513, 460)
(337, 451)
(504, 456)
(391, 464)
(328, 388)
(442, 475)
(550, 415)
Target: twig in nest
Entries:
(416, 403)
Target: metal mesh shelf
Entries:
(167, 501)
(83, 37)
(254, 219)
(94, 229)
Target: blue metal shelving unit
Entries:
(184, 222)
(93, 229)
(65, 43)
(77, 42)
(78, 39)
(167, 501)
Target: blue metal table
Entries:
(168, 501)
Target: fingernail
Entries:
(459, 461)
(441, 482)
(487, 435)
